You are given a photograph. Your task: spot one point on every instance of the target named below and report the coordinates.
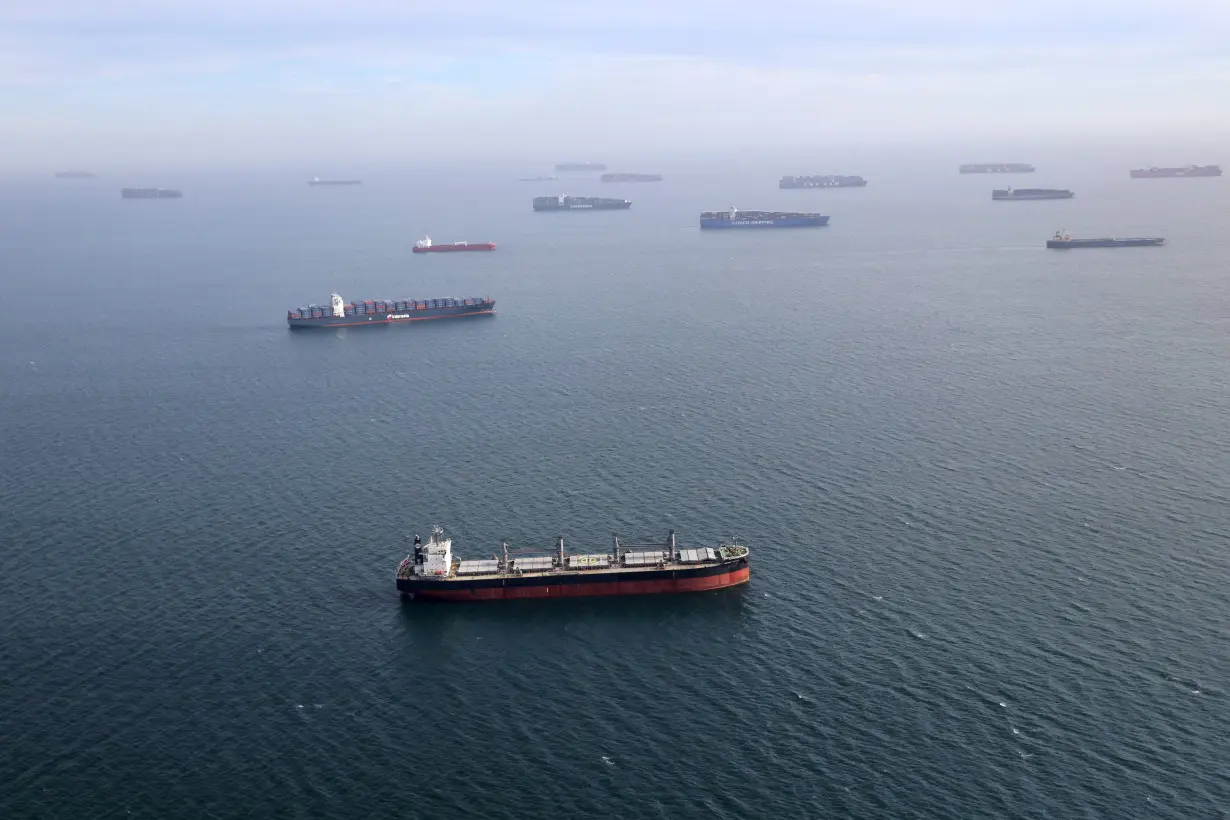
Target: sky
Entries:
(312, 80)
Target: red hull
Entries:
(483, 246)
(652, 587)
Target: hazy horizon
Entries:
(317, 84)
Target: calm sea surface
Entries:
(985, 486)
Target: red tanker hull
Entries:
(481, 246)
(657, 586)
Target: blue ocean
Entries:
(985, 487)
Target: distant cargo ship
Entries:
(826, 181)
(1063, 241)
(74, 175)
(319, 181)
(1031, 193)
(580, 166)
(997, 168)
(631, 177)
(579, 203)
(150, 193)
(1188, 171)
(431, 573)
(425, 245)
(734, 218)
(385, 311)
(538, 179)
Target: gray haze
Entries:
(318, 83)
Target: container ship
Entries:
(827, 181)
(1063, 241)
(74, 175)
(735, 218)
(319, 181)
(150, 193)
(1188, 171)
(385, 311)
(425, 245)
(432, 573)
(631, 177)
(579, 203)
(580, 166)
(1031, 193)
(997, 168)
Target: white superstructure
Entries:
(437, 554)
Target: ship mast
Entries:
(559, 545)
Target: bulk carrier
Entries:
(385, 311)
(432, 573)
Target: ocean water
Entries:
(985, 486)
